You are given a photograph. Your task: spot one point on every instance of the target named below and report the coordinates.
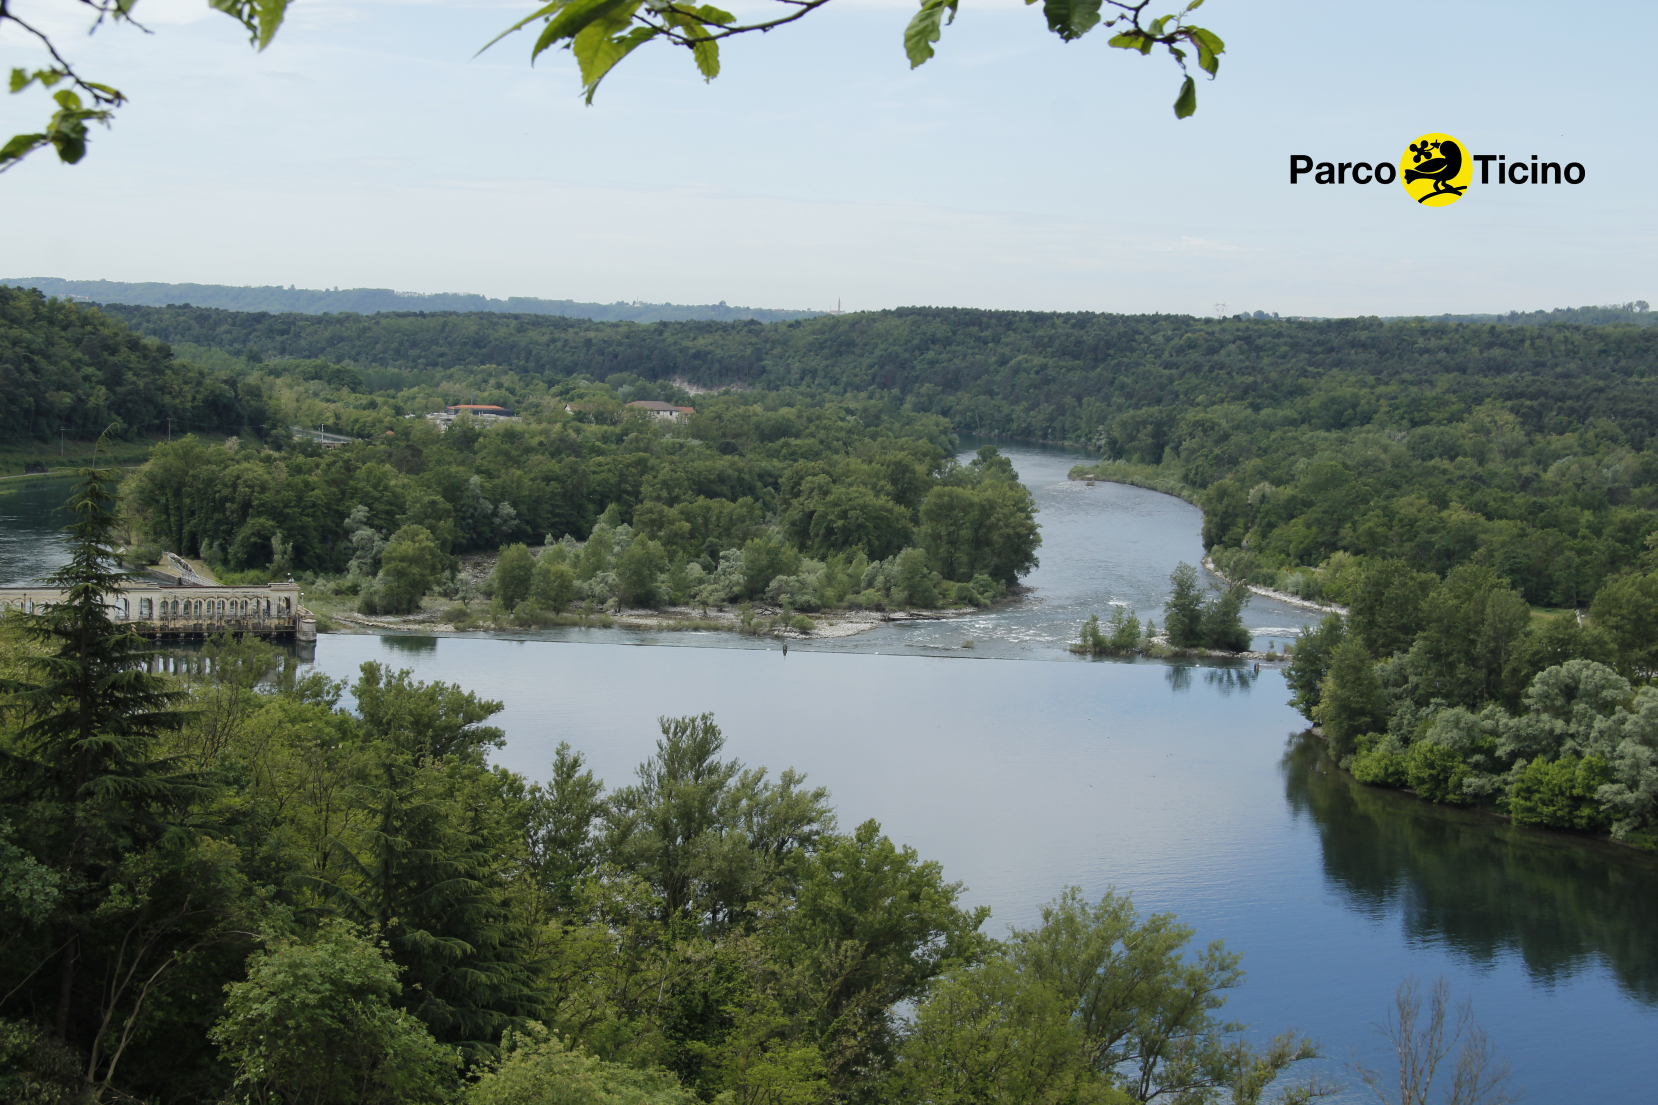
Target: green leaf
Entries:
(925, 29)
(707, 55)
(1071, 19)
(1209, 39)
(703, 48)
(20, 146)
(1192, 7)
(260, 17)
(598, 47)
(1186, 102)
(575, 17)
(1133, 40)
(708, 13)
(1158, 24)
(22, 78)
(1206, 59)
(269, 15)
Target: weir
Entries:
(191, 610)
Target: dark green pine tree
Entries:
(81, 777)
(430, 877)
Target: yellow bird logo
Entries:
(1435, 170)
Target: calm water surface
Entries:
(1183, 785)
(31, 540)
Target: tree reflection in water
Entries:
(1478, 885)
(1224, 680)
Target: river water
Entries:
(1024, 770)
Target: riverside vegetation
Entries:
(1453, 688)
(1191, 622)
(221, 886)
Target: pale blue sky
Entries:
(368, 147)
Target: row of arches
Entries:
(196, 608)
(167, 609)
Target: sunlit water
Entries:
(1183, 785)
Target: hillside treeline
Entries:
(71, 371)
(1021, 374)
(1526, 448)
(370, 300)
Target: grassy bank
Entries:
(1153, 477)
(23, 456)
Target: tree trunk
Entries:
(66, 983)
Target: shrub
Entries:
(1436, 772)
(536, 1068)
(1560, 794)
(1381, 766)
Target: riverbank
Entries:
(1153, 478)
(1488, 812)
(1281, 596)
(758, 621)
(1149, 476)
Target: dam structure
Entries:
(190, 609)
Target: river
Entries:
(1024, 769)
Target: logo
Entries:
(1436, 170)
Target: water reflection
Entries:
(1227, 680)
(1479, 886)
(399, 643)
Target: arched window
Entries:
(144, 607)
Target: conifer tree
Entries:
(84, 763)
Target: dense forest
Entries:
(68, 370)
(808, 507)
(220, 885)
(1527, 448)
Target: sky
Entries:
(370, 146)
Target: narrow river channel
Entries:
(1024, 770)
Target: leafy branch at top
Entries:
(87, 101)
(1071, 19)
(600, 33)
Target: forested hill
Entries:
(370, 300)
(1529, 448)
(1067, 377)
